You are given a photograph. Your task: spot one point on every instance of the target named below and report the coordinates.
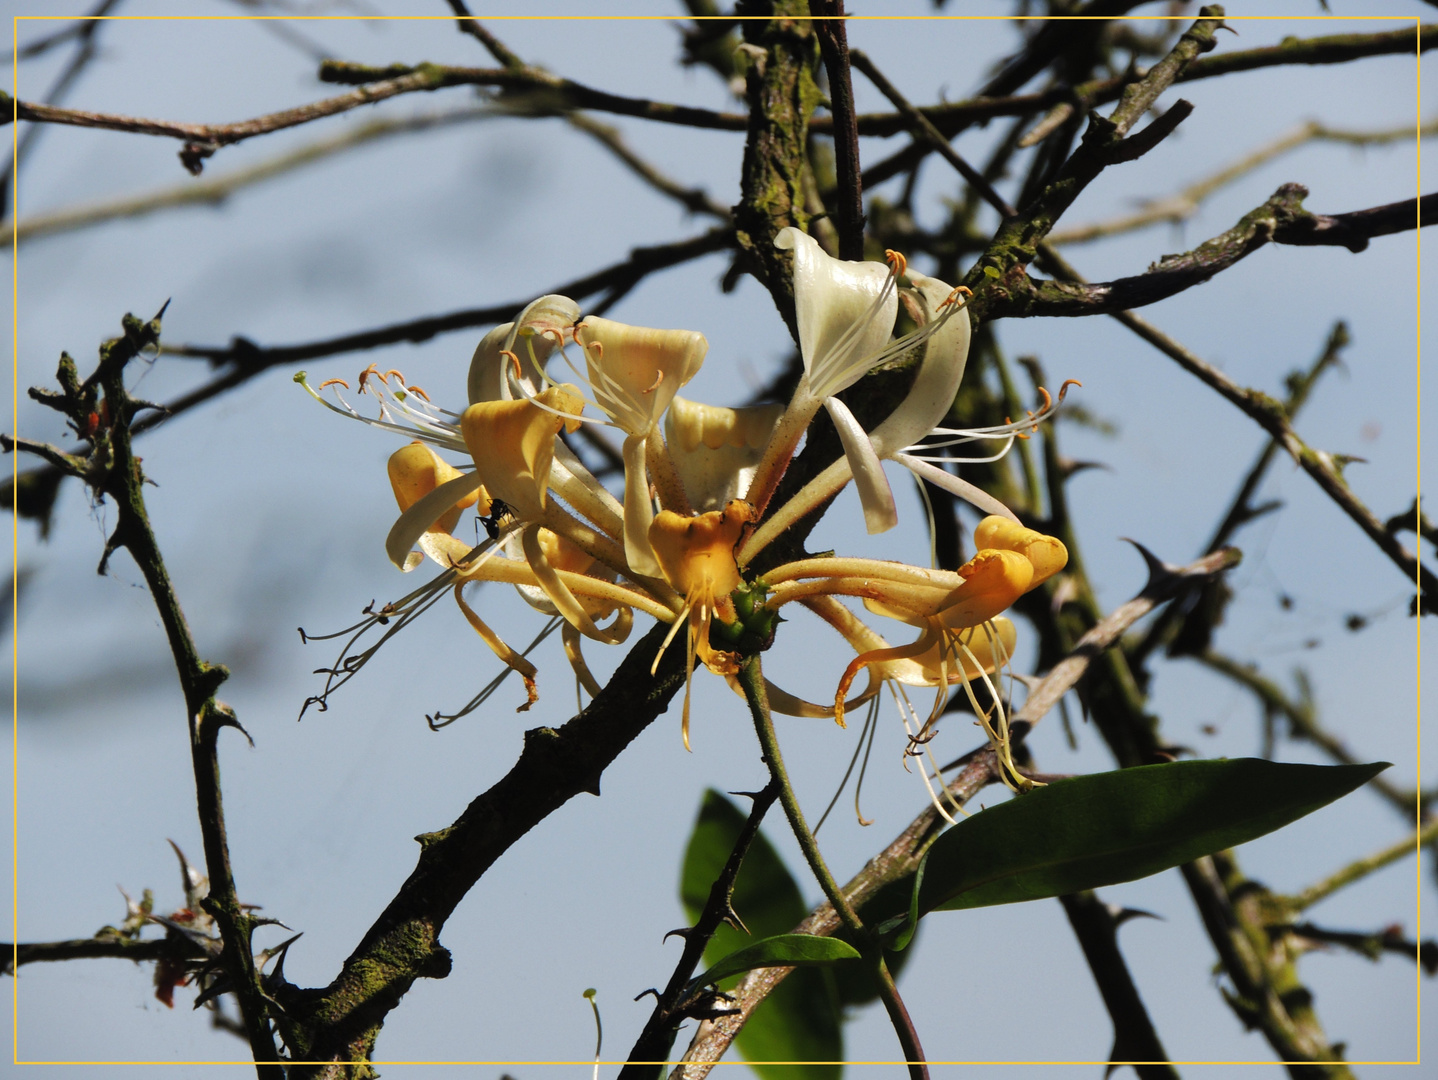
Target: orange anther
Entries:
(897, 263)
(1048, 401)
(364, 375)
(396, 374)
(1064, 389)
(953, 297)
(334, 382)
(514, 359)
(657, 380)
(417, 390)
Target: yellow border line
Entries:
(15, 519)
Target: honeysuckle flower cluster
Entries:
(698, 483)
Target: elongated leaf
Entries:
(785, 950)
(801, 1020)
(1097, 830)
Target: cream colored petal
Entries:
(638, 510)
(635, 371)
(512, 443)
(422, 514)
(946, 352)
(530, 337)
(875, 495)
(841, 310)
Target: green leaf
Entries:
(801, 1020)
(1102, 829)
(783, 950)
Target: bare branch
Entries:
(341, 1022)
(1358, 870)
(1183, 204)
(215, 189)
(170, 947)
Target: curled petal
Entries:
(514, 660)
(564, 600)
(572, 640)
(416, 470)
(1047, 553)
(845, 312)
(993, 580)
(946, 352)
(636, 371)
(424, 512)
(512, 443)
(875, 495)
(532, 336)
(638, 509)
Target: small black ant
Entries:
(500, 517)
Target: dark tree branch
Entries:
(113, 470)
(1135, 1041)
(1267, 993)
(1280, 220)
(833, 38)
(341, 1022)
(672, 1006)
(999, 275)
(782, 96)
(175, 947)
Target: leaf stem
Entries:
(751, 678)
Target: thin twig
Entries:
(1325, 468)
(113, 470)
(655, 1041)
(752, 680)
(212, 190)
(468, 24)
(1185, 203)
(1358, 869)
(175, 947)
(1371, 944)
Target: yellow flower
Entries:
(696, 556)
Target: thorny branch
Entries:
(113, 470)
(403, 943)
(676, 1003)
